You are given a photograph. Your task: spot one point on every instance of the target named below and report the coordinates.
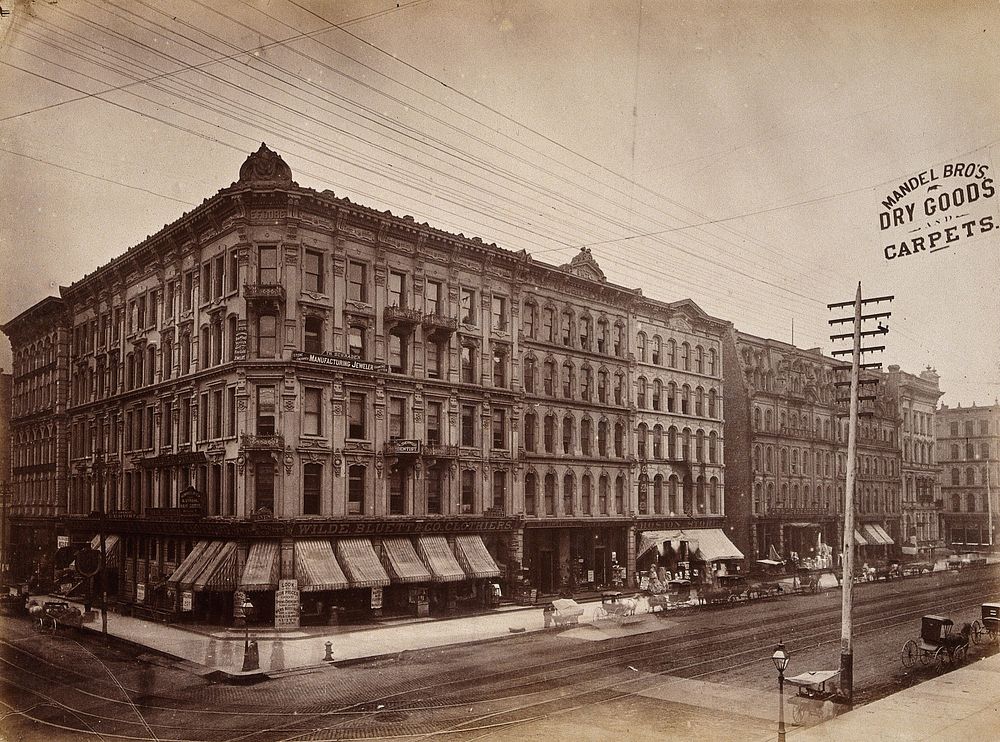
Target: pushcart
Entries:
(815, 695)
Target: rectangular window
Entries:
(468, 306)
(267, 266)
(500, 490)
(264, 486)
(234, 270)
(220, 275)
(215, 490)
(499, 312)
(168, 300)
(468, 491)
(434, 422)
(397, 289)
(356, 415)
(398, 352)
(166, 425)
(312, 278)
(468, 425)
(265, 410)
(186, 421)
(434, 490)
(500, 429)
(140, 312)
(206, 281)
(356, 490)
(312, 413)
(150, 428)
(434, 360)
(468, 364)
(312, 484)
(356, 341)
(432, 298)
(397, 491)
(397, 428)
(499, 369)
(231, 411)
(267, 336)
(217, 413)
(357, 281)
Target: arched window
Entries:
(568, 494)
(700, 498)
(640, 345)
(657, 395)
(603, 487)
(586, 494)
(640, 441)
(529, 375)
(586, 436)
(530, 493)
(970, 475)
(602, 386)
(671, 353)
(548, 325)
(620, 495)
(699, 401)
(602, 438)
(699, 446)
(567, 380)
(699, 359)
(530, 319)
(685, 356)
(566, 328)
(530, 424)
(658, 442)
(658, 494)
(657, 350)
(567, 435)
(672, 443)
(711, 362)
(711, 404)
(767, 421)
(550, 494)
(685, 400)
(757, 459)
(713, 443)
(686, 444)
(713, 495)
(549, 434)
(619, 440)
(640, 393)
(672, 494)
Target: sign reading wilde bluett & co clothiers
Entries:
(938, 208)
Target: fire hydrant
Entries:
(329, 652)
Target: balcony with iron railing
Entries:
(438, 324)
(264, 294)
(402, 316)
(439, 451)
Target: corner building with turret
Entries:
(330, 410)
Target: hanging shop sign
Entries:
(945, 206)
(336, 360)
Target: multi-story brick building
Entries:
(6, 389)
(286, 386)
(968, 445)
(918, 397)
(39, 379)
(796, 435)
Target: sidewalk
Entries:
(222, 649)
(960, 705)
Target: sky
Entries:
(734, 153)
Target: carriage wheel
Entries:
(797, 713)
(940, 659)
(960, 652)
(977, 628)
(910, 653)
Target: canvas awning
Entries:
(361, 565)
(713, 544)
(803, 525)
(111, 548)
(439, 559)
(655, 539)
(401, 561)
(475, 558)
(873, 537)
(261, 569)
(316, 566)
(882, 532)
(219, 571)
(860, 540)
(191, 565)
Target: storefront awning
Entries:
(713, 544)
(873, 537)
(219, 572)
(885, 536)
(860, 540)
(316, 566)
(654, 539)
(803, 525)
(261, 570)
(192, 564)
(401, 561)
(475, 558)
(439, 559)
(111, 548)
(361, 565)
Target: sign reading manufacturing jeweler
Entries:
(939, 208)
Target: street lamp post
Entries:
(251, 660)
(780, 660)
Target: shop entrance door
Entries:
(546, 573)
(600, 572)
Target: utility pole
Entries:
(847, 551)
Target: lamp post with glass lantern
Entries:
(780, 660)
(251, 660)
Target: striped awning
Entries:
(402, 562)
(316, 566)
(220, 572)
(191, 565)
(860, 540)
(261, 569)
(111, 548)
(713, 544)
(475, 558)
(882, 532)
(440, 561)
(360, 563)
(655, 539)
